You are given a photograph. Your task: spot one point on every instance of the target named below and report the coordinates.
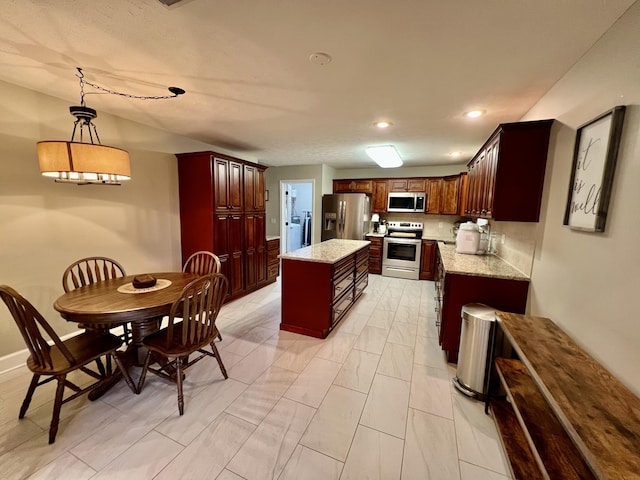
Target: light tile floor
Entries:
(374, 400)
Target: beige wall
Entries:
(588, 282)
(45, 226)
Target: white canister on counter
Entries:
(468, 239)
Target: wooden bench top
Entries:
(598, 412)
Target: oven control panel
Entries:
(405, 225)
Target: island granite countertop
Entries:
(477, 265)
(329, 251)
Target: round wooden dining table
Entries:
(115, 301)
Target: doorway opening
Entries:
(296, 214)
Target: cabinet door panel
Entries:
(235, 186)
(259, 190)
(221, 183)
(398, 185)
(433, 196)
(236, 256)
(249, 187)
(379, 199)
(450, 195)
(428, 260)
(416, 185)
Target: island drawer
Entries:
(343, 266)
(362, 265)
(340, 307)
(341, 284)
(361, 284)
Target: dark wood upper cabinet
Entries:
(434, 188)
(407, 185)
(254, 188)
(506, 176)
(222, 210)
(379, 197)
(227, 184)
(444, 194)
(450, 195)
(361, 185)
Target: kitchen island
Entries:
(320, 283)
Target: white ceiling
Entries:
(251, 88)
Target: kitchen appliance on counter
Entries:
(345, 216)
(468, 239)
(406, 202)
(375, 221)
(473, 238)
(402, 249)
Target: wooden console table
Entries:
(566, 416)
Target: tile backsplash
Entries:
(520, 243)
(437, 227)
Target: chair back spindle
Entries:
(197, 308)
(202, 263)
(88, 271)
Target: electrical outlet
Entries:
(503, 238)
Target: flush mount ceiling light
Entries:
(85, 163)
(475, 113)
(383, 124)
(386, 156)
(455, 154)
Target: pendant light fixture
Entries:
(88, 162)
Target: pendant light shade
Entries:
(83, 163)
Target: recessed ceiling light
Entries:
(383, 124)
(475, 113)
(455, 154)
(385, 156)
(320, 58)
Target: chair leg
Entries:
(179, 383)
(143, 375)
(29, 395)
(217, 354)
(53, 429)
(219, 336)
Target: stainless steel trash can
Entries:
(478, 321)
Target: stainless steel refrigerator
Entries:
(345, 216)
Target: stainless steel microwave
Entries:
(406, 202)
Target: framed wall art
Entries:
(594, 163)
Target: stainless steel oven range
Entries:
(402, 248)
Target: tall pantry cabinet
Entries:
(222, 210)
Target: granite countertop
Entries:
(330, 251)
(273, 237)
(477, 265)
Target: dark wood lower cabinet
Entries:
(273, 263)
(375, 253)
(428, 260)
(453, 291)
